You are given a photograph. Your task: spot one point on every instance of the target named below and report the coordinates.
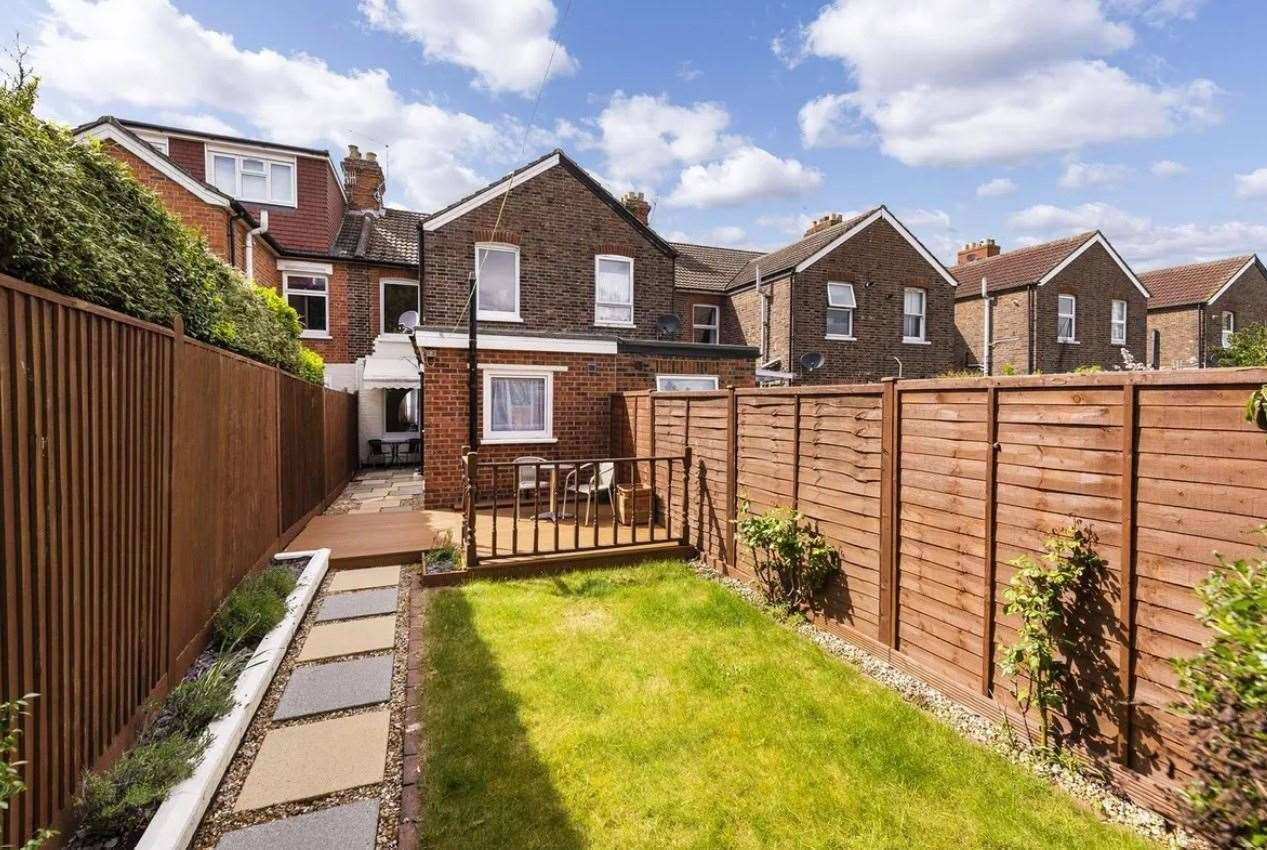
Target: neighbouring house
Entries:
(1194, 309)
(1051, 307)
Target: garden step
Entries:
(333, 639)
(315, 759)
(353, 826)
(345, 580)
(358, 603)
(340, 684)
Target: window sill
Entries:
(910, 341)
(505, 441)
(615, 325)
(840, 338)
(1121, 344)
(497, 317)
(314, 335)
(1068, 342)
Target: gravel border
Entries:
(1101, 798)
(221, 817)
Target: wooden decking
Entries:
(556, 538)
(372, 540)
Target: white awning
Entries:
(390, 373)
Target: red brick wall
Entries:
(310, 225)
(1247, 298)
(559, 225)
(683, 307)
(1095, 279)
(189, 154)
(1179, 330)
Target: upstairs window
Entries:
(251, 178)
(396, 297)
(1229, 328)
(613, 290)
(840, 307)
(704, 325)
(309, 295)
(1117, 323)
(914, 303)
(497, 282)
(1066, 318)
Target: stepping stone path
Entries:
(314, 755)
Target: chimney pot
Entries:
(636, 203)
(363, 180)
(823, 222)
(979, 250)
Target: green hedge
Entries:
(74, 219)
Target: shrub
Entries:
(960, 373)
(195, 702)
(793, 560)
(311, 366)
(1037, 595)
(1247, 347)
(1089, 369)
(253, 608)
(11, 784)
(278, 580)
(120, 801)
(1226, 684)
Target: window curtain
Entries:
(518, 404)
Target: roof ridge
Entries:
(1079, 237)
(1244, 258)
(756, 251)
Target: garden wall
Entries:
(929, 488)
(144, 474)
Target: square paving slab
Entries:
(366, 635)
(313, 759)
(361, 579)
(339, 684)
(353, 826)
(358, 603)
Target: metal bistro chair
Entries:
(526, 480)
(413, 449)
(376, 453)
(600, 479)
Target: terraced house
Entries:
(1195, 308)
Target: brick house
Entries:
(863, 292)
(1195, 308)
(1051, 307)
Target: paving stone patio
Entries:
(352, 826)
(358, 603)
(364, 578)
(337, 685)
(390, 490)
(327, 640)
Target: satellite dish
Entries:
(668, 325)
(408, 321)
(812, 361)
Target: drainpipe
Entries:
(987, 332)
(233, 242)
(250, 244)
(1200, 336)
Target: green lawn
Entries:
(649, 708)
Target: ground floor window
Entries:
(309, 295)
(680, 383)
(401, 412)
(518, 405)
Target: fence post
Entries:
(888, 519)
(468, 518)
(1126, 613)
(686, 495)
(169, 484)
(277, 428)
(991, 479)
(796, 449)
(732, 478)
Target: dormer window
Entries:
(256, 179)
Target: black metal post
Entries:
(472, 369)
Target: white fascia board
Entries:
(1234, 278)
(503, 342)
(109, 132)
(305, 266)
(494, 191)
(881, 213)
(522, 368)
(1097, 239)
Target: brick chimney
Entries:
(977, 251)
(823, 222)
(363, 180)
(637, 204)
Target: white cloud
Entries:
(147, 55)
(926, 218)
(824, 122)
(1252, 185)
(1084, 175)
(996, 187)
(506, 43)
(748, 174)
(952, 82)
(1158, 12)
(727, 235)
(687, 72)
(198, 121)
(1141, 240)
(1168, 168)
(643, 137)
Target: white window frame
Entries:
(155, 140)
(513, 371)
(846, 308)
(619, 258)
(239, 154)
(922, 339)
(496, 315)
(715, 326)
(1115, 324)
(286, 292)
(1072, 316)
(1227, 327)
(661, 379)
(383, 283)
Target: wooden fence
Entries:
(144, 474)
(930, 488)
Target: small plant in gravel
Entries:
(195, 702)
(11, 784)
(793, 559)
(444, 555)
(253, 608)
(1226, 684)
(1038, 595)
(120, 801)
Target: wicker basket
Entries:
(633, 503)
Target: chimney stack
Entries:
(637, 204)
(977, 251)
(363, 180)
(823, 222)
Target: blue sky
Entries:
(1016, 119)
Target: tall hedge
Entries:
(74, 219)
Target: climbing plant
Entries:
(11, 784)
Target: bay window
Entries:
(309, 295)
(704, 323)
(1066, 318)
(840, 307)
(613, 290)
(914, 305)
(497, 282)
(253, 178)
(1117, 323)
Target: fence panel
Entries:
(301, 436)
(341, 438)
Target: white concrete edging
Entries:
(177, 819)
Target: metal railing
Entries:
(653, 491)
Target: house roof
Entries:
(704, 268)
(221, 137)
(790, 256)
(1019, 267)
(388, 238)
(1195, 283)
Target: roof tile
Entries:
(707, 268)
(1017, 268)
(1194, 283)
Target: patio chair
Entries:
(527, 481)
(413, 449)
(377, 453)
(589, 480)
